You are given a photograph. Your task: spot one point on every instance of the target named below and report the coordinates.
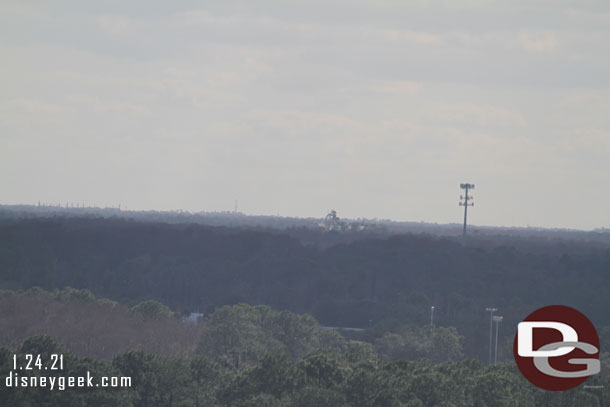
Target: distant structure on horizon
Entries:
(466, 201)
(332, 221)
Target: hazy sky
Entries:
(373, 108)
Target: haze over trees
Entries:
(273, 301)
(381, 283)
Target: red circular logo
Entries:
(556, 348)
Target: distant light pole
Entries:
(491, 313)
(466, 203)
(432, 315)
(497, 320)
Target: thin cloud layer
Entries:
(302, 106)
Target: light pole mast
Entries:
(497, 320)
(432, 315)
(467, 202)
(491, 313)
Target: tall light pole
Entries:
(432, 315)
(467, 202)
(497, 320)
(491, 313)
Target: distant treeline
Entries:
(306, 229)
(379, 283)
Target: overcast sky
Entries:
(376, 109)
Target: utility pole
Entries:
(467, 201)
(497, 320)
(491, 313)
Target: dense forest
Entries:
(247, 356)
(382, 283)
(293, 316)
(354, 379)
